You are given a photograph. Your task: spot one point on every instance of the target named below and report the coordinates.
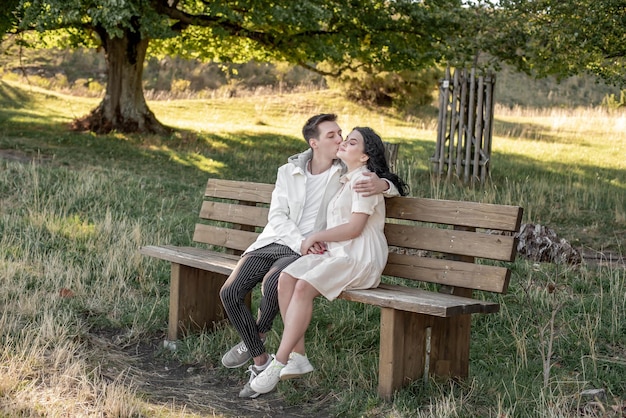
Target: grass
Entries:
(75, 207)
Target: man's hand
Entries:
(371, 186)
(309, 246)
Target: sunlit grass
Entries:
(583, 137)
(283, 114)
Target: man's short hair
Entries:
(310, 127)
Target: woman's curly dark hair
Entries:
(377, 163)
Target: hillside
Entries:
(83, 72)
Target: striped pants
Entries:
(261, 265)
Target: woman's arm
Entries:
(343, 232)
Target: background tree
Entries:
(554, 37)
(384, 34)
(404, 90)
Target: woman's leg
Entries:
(286, 286)
(298, 311)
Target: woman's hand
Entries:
(310, 246)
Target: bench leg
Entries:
(194, 300)
(404, 340)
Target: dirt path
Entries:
(198, 389)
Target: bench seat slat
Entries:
(238, 214)
(450, 241)
(224, 237)
(193, 257)
(419, 301)
(448, 272)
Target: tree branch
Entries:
(335, 73)
(185, 20)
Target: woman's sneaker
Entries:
(268, 379)
(297, 366)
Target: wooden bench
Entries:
(423, 330)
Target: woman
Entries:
(350, 254)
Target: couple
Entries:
(324, 234)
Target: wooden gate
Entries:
(465, 126)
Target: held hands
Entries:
(310, 246)
(371, 186)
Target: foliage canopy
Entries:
(561, 38)
(540, 37)
(389, 35)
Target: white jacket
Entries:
(288, 200)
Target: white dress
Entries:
(352, 264)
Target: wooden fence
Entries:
(391, 154)
(465, 126)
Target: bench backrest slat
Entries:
(239, 190)
(469, 214)
(449, 272)
(450, 241)
(224, 237)
(238, 214)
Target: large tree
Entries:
(8, 18)
(556, 37)
(385, 34)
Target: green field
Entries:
(75, 207)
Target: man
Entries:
(304, 187)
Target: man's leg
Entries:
(269, 306)
(243, 279)
(250, 270)
(276, 257)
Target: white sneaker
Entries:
(267, 380)
(296, 366)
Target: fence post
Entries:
(391, 154)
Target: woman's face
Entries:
(351, 151)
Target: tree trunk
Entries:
(123, 107)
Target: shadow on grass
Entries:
(535, 132)
(530, 131)
(12, 97)
(191, 157)
(237, 155)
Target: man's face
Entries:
(329, 139)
